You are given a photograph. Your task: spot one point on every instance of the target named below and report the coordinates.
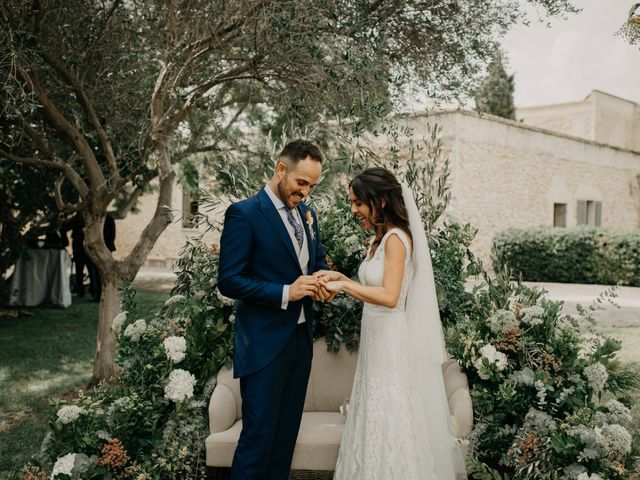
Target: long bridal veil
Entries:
(427, 353)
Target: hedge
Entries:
(571, 255)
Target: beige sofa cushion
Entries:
(316, 449)
(224, 415)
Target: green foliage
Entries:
(495, 93)
(536, 384)
(165, 436)
(572, 255)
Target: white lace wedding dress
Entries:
(386, 431)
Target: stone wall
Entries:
(167, 248)
(601, 117)
(505, 174)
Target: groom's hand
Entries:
(305, 285)
(323, 295)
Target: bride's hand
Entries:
(329, 275)
(334, 286)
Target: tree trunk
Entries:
(112, 272)
(104, 367)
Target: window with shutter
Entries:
(581, 212)
(559, 214)
(598, 214)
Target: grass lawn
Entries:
(48, 354)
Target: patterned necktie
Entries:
(298, 232)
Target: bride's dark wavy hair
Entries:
(374, 185)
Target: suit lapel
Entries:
(274, 218)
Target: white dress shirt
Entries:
(302, 253)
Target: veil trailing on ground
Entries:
(427, 351)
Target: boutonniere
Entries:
(310, 223)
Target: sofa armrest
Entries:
(222, 409)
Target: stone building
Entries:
(564, 165)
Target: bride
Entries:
(398, 422)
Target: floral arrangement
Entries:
(538, 383)
(152, 422)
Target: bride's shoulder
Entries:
(396, 237)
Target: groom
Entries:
(269, 249)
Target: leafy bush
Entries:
(572, 255)
(536, 382)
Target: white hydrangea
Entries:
(118, 322)
(615, 440)
(174, 299)
(229, 302)
(175, 348)
(572, 471)
(494, 357)
(586, 476)
(532, 315)
(70, 413)
(135, 330)
(526, 377)
(180, 386)
(502, 320)
(589, 436)
(618, 412)
(64, 465)
(597, 376)
(352, 244)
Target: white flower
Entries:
(494, 357)
(524, 377)
(180, 386)
(540, 422)
(226, 301)
(104, 435)
(615, 440)
(502, 320)
(70, 413)
(174, 299)
(135, 330)
(532, 315)
(64, 465)
(618, 413)
(175, 347)
(232, 318)
(118, 322)
(597, 376)
(586, 476)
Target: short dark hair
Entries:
(299, 149)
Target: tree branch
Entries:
(62, 125)
(69, 172)
(75, 84)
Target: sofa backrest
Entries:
(331, 381)
(331, 378)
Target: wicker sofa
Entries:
(322, 423)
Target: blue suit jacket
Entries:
(257, 259)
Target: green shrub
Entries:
(571, 255)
